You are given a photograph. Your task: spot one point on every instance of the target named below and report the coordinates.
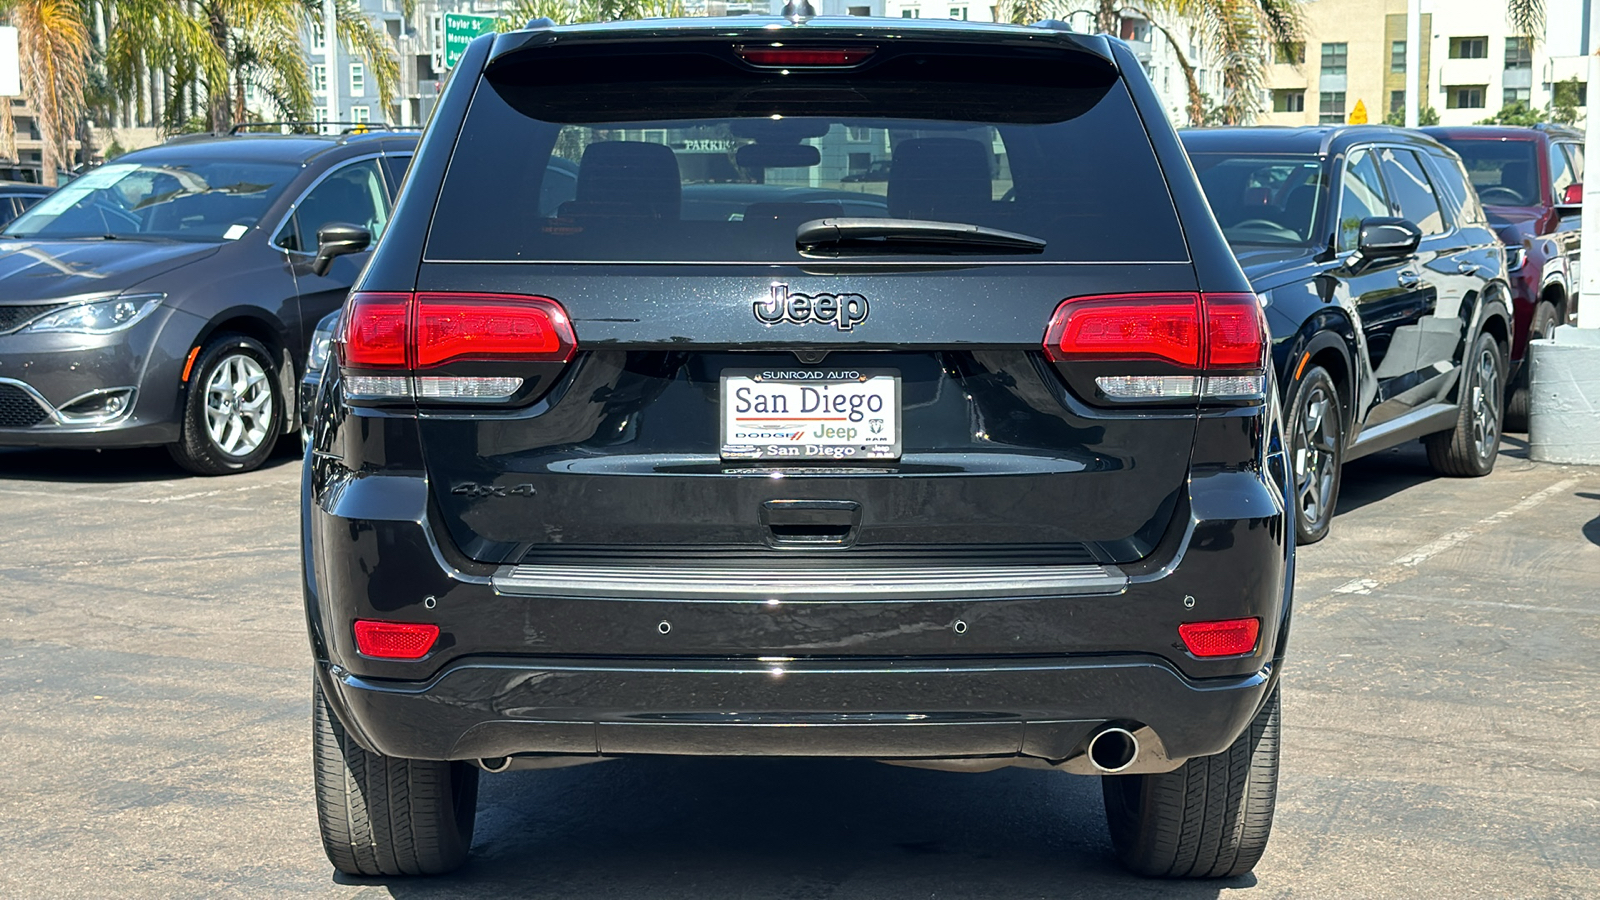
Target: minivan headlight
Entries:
(99, 317)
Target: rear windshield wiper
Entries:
(832, 237)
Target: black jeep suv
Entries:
(991, 477)
(1385, 289)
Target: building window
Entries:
(358, 80)
(1334, 58)
(1397, 101)
(1397, 56)
(860, 10)
(1516, 95)
(1289, 101)
(319, 114)
(1519, 53)
(360, 114)
(1464, 96)
(1469, 48)
(319, 79)
(857, 134)
(1293, 54)
(910, 13)
(958, 12)
(1330, 110)
(318, 40)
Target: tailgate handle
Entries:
(791, 522)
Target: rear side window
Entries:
(1561, 175)
(678, 157)
(1361, 197)
(1412, 190)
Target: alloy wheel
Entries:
(1316, 455)
(238, 405)
(1485, 409)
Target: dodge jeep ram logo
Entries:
(842, 311)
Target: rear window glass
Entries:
(691, 158)
(1505, 173)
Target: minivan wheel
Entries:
(380, 815)
(233, 413)
(1209, 818)
(1517, 402)
(1469, 449)
(1316, 436)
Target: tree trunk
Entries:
(217, 94)
(1107, 18)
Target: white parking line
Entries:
(1401, 566)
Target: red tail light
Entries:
(375, 329)
(1236, 331)
(1226, 637)
(779, 55)
(394, 345)
(395, 640)
(1195, 335)
(489, 327)
(1142, 326)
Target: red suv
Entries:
(1531, 183)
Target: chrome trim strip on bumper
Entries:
(59, 418)
(710, 584)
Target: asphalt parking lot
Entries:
(1442, 722)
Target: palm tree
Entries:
(218, 46)
(54, 47)
(1526, 18)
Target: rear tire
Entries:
(1517, 403)
(1469, 449)
(380, 815)
(1209, 818)
(233, 413)
(1316, 444)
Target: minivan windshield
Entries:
(213, 200)
(727, 167)
(1263, 199)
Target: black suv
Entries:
(168, 297)
(1385, 291)
(992, 477)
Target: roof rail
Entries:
(304, 127)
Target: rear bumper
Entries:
(1010, 711)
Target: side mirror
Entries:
(1571, 200)
(338, 239)
(1386, 238)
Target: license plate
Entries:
(811, 413)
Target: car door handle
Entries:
(1410, 277)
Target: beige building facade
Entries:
(1354, 61)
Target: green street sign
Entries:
(459, 30)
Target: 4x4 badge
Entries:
(842, 311)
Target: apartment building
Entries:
(1472, 64)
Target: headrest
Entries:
(631, 178)
(944, 179)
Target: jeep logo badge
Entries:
(842, 311)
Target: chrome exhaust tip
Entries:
(496, 765)
(1113, 750)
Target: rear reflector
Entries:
(779, 55)
(1227, 637)
(395, 640)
